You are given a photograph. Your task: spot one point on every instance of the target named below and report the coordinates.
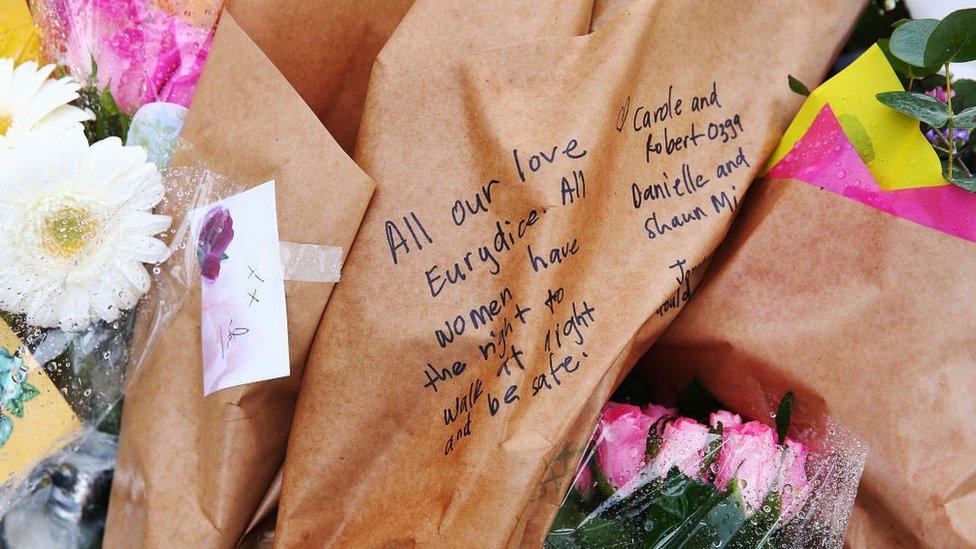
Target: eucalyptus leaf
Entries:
(917, 105)
(967, 183)
(797, 86)
(902, 67)
(908, 41)
(953, 39)
(965, 119)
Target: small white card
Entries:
(244, 327)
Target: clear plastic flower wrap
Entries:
(61, 382)
(697, 475)
(93, 96)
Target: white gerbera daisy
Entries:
(30, 102)
(76, 227)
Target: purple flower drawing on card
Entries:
(216, 233)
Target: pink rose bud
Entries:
(683, 445)
(622, 442)
(793, 484)
(727, 419)
(584, 482)
(656, 412)
(749, 456)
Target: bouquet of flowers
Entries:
(654, 478)
(82, 185)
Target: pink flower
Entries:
(656, 412)
(622, 445)
(143, 54)
(792, 480)
(940, 94)
(683, 446)
(727, 419)
(584, 482)
(751, 457)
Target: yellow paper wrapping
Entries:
(895, 151)
(47, 421)
(18, 34)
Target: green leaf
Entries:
(909, 39)
(858, 135)
(602, 482)
(965, 91)
(952, 40)
(965, 119)
(917, 105)
(964, 182)
(683, 512)
(654, 440)
(900, 66)
(758, 530)
(28, 391)
(16, 408)
(797, 86)
(109, 119)
(783, 416)
(696, 402)
(900, 22)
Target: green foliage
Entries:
(909, 39)
(918, 106)
(797, 86)
(920, 48)
(783, 416)
(953, 40)
(109, 119)
(965, 119)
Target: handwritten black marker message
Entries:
(521, 341)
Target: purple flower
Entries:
(940, 94)
(939, 136)
(216, 234)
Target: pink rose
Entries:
(751, 457)
(143, 54)
(584, 482)
(622, 445)
(683, 445)
(792, 479)
(727, 419)
(656, 412)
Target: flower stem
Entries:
(952, 131)
(911, 82)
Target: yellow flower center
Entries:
(5, 122)
(68, 230)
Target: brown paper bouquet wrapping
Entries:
(870, 318)
(192, 471)
(551, 176)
